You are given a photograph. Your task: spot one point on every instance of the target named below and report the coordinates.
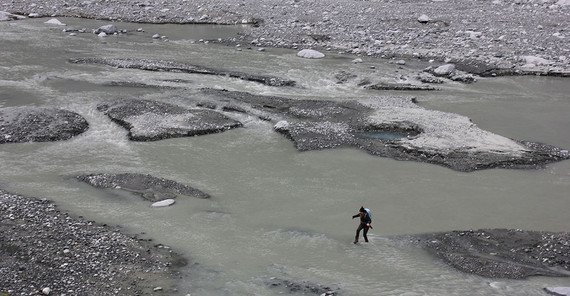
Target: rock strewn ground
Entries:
(502, 253)
(482, 37)
(42, 248)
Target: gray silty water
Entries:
(274, 211)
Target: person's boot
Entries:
(356, 241)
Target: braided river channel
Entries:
(276, 212)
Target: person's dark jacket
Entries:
(364, 218)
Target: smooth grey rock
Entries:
(107, 29)
(444, 70)
(558, 291)
(35, 124)
(310, 54)
(151, 120)
(163, 203)
(54, 21)
(423, 19)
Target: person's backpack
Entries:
(368, 213)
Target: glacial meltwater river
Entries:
(275, 211)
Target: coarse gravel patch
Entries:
(46, 251)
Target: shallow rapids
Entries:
(276, 212)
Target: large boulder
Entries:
(424, 19)
(107, 29)
(310, 54)
(450, 71)
(502, 253)
(152, 120)
(54, 21)
(444, 70)
(149, 187)
(163, 203)
(34, 124)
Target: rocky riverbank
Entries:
(502, 253)
(490, 37)
(47, 252)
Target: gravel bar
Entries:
(44, 251)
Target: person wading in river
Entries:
(365, 221)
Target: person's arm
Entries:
(368, 220)
(355, 216)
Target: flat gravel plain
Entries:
(485, 37)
